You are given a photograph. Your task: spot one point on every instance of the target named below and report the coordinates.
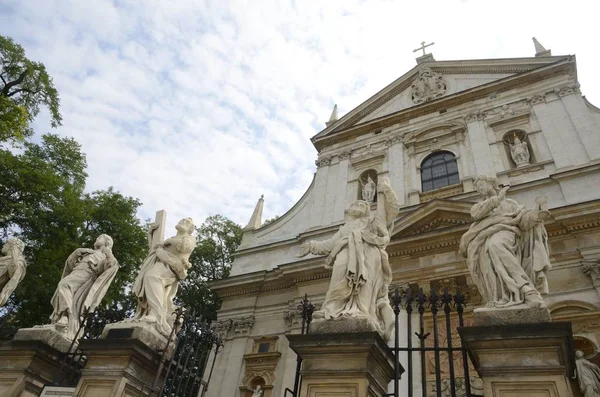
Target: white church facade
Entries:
(523, 121)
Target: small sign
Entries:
(53, 391)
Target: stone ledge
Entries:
(144, 332)
(511, 315)
(46, 334)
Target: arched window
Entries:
(438, 170)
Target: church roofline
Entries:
(523, 67)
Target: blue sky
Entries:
(199, 107)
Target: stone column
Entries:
(26, 366)
(357, 364)
(118, 368)
(480, 146)
(522, 359)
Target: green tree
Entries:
(25, 86)
(218, 238)
(42, 202)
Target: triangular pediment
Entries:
(437, 85)
(436, 215)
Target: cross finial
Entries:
(423, 46)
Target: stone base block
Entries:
(26, 366)
(357, 364)
(511, 315)
(47, 334)
(142, 331)
(342, 325)
(117, 368)
(522, 359)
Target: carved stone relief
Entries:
(428, 86)
(243, 325)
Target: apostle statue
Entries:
(361, 270)
(258, 392)
(588, 376)
(507, 248)
(12, 268)
(85, 280)
(156, 285)
(519, 152)
(368, 190)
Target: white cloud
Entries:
(199, 107)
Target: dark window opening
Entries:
(439, 170)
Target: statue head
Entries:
(359, 209)
(103, 240)
(13, 243)
(486, 186)
(370, 180)
(185, 225)
(579, 354)
(517, 141)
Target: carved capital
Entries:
(592, 269)
(472, 117)
(222, 327)
(394, 139)
(537, 99)
(292, 318)
(243, 325)
(567, 90)
(324, 161)
(346, 154)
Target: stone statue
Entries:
(361, 270)
(258, 392)
(12, 268)
(85, 280)
(519, 152)
(158, 279)
(507, 248)
(588, 376)
(368, 190)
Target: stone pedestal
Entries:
(48, 335)
(357, 364)
(117, 368)
(531, 360)
(26, 366)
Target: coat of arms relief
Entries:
(428, 86)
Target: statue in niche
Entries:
(85, 280)
(158, 280)
(368, 190)
(507, 248)
(258, 392)
(361, 270)
(588, 376)
(519, 152)
(12, 268)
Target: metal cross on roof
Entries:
(423, 46)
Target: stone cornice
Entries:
(347, 130)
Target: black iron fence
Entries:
(306, 309)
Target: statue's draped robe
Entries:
(361, 272)
(84, 283)
(10, 276)
(156, 284)
(506, 249)
(588, 376)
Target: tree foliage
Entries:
(218, 238)
(25, 86)
(42, 202)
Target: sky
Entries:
(199, 107)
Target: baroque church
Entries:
(523, 121)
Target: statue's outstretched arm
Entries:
(387, 201)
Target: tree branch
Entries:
(10, 85)
(22, 90)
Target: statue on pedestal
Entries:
(588, 376)
(519, 152)
(12, 268)
(85, 280)
(158, 279)
(361, 270)
(507, 248)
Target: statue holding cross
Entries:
(423, 46)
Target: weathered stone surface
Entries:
(144, 332)
(342, 325)
(47, 334)
(512, 315)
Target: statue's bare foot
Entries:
(534, 299)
